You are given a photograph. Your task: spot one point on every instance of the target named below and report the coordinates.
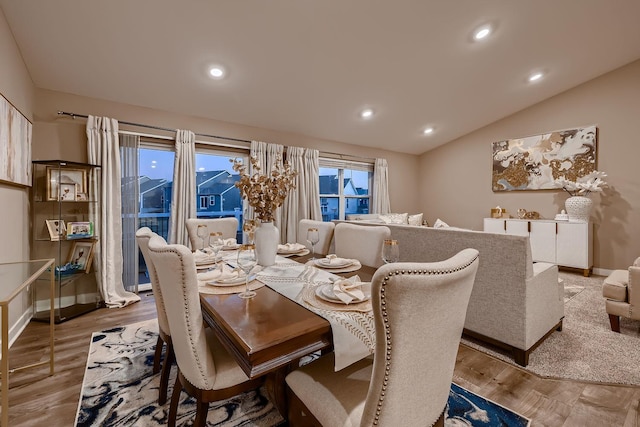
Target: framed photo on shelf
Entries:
(56, 228)
(81, 254)
(79, 230)
(81, 197)
(57, 177)
(68, 192)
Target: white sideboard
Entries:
(568, 244)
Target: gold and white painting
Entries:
(535, 162)
(15, 145)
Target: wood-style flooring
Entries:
(38, 399)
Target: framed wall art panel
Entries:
(535, 162)
(15, 145)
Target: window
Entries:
(344, 188)
(216, 194)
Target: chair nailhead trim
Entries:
(385, 320)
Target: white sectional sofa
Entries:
(515, 304)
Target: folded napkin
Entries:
(333, 259)
(348, 290)
(229, 242)
(204, 256)
(227, 273)
(291, 247)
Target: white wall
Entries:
(16, 86)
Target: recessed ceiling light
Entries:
(482, 32)
(535, 77)
(216, 72)
(366, 113)
(428, 131)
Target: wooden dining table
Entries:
(269, 334)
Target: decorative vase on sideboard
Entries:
(266, 240)
(578, 208)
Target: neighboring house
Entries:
(329, 205)
(153, 193)
(216, 192)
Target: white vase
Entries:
(578, 208)
(266, 240)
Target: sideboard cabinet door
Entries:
(543, 241)
(575, 245)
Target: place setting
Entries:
(292, 249)
(205, 258)
(227, 280)
(335, 264)
(339, 294)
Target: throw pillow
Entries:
(415, 219)
(394, 218)
(440, 224)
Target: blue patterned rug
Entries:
(120, 390)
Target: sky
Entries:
(158, 164)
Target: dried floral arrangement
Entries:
(264, 193)
(583, 186)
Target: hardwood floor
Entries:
(37, 399)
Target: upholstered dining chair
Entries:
(325, 230)
(164, 335)
(227, 226)
(361, 242)
(419, 311)
(622, 292)
(206, 370)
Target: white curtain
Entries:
(267, 154)
(129, 146)
(304, 201)
(380, 195)
(312, 183)
(104, 150)
(294, 208)
(183, 193)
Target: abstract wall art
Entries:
(15, 145)
(535, 162)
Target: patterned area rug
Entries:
(586, 348)
(120, 390)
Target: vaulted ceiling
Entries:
(310, 67)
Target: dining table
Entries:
(269, 334)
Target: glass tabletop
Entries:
(16, 275)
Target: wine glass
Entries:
(313, 237)
(246, 262)
(216, 242)
(202, 232)
(249, 228)
(390, 251)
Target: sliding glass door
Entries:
(216, 195)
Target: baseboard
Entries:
(601, 271)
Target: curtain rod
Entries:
(84, 116)
(74, 115)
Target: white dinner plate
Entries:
(326, 263)
(235, 281)
(230, 247)
(325, 292)
(205, 266)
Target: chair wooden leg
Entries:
(175, 399)
(202, 409)
(169, 359)
(615, 323)
(158, 355)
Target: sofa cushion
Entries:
(394, 218)
(415, 219)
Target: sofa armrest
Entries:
(544, 302)
(633, 288)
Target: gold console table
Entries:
(15, 277)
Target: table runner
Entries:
(353, 331)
